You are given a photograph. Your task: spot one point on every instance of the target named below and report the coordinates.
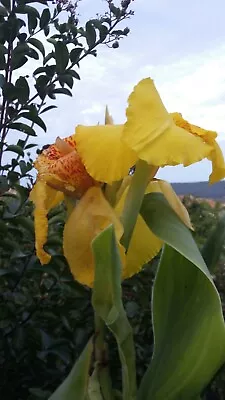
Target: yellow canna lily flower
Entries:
(91, 214)
(60, 171)
(150, 134)
(94, 213)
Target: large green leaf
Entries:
(108, 304)
(189, 331)
(75, 386)
(213, 246)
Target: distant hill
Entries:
(201, 189)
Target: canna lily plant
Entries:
(119, 218)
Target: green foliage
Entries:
(26, 98)
(46, 317)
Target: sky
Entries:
(181, 45)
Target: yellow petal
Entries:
(160, 186)
(208, 136)
(144, 245)
(218, 164)
(216, 155)
(108, 117)
(44, 198)
(104, 155)
(151, 132)
(92, 214)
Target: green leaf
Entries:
(6, 4)
(45, 18)
(94, 388)
(9, 91)
(49, 57)
(74, 74)
(18, 61)
(103, 32)
(23, 89)
(214, 245)
(24, 9)
(46, 30)
(3, 11)
(26, 223)
(75, 54)
(34, 118)
(61, 56)
(64, 78)
(47, 109)
(18, 126)
(37, 43)
(108, 304)
(2, 80)
(76, 383)
(63, 91)
(189, 331)
(32, 23)
(90, 34)
(16, 149)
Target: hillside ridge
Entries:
(201, 189)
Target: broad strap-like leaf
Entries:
(189, 331)
(213, 246)
(108, 305)
(75, 386)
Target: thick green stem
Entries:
(99, 339)
(143, 174)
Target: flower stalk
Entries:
(142, 176)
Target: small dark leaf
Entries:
(33, 54)
(41, 85)
(16, 149)
(6, 4)
(18, 61)
(46, 30)
(48, 57)
(45, 18)
(24, 9)
(23, 89)
(22, 128)
(22, 37)
(63, 91)
(3, 184)
(30, 146)
(2, 80)
(74, 74)
(90, 34)
(47, 109)
(66, 79)
(61, 56)
(32, 23)
(21, 143)
(9, 92)
(75, 55)
(2, 61)
(103, 32)
(3, 11)
(39, 70)
(114, 10)
(34, 118)
(37, 43)
(63, 28)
